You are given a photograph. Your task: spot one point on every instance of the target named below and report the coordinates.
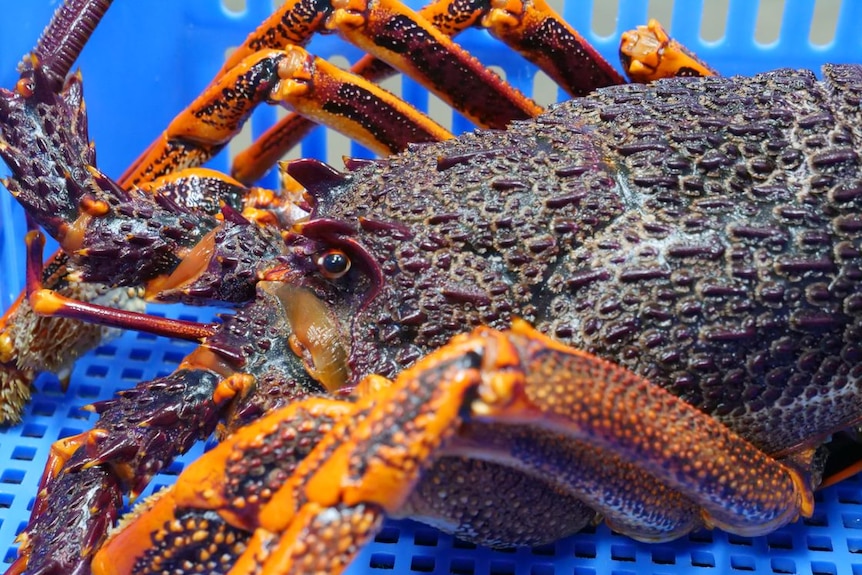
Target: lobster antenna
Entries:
(65, 36)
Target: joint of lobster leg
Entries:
(648, 53)
(235, 385)
(294, 23)
(248, 83)
(201, 130)
(542, 36)
(354, 106)
(347, 13)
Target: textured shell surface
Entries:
(702, 232)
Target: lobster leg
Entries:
(531, 28)
(312, 86)
(203, 129)
(394, 33)
(253, 162)
(738, 488)
(648, 54)
(375, 454)
(385, 28)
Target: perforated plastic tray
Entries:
(150, 58)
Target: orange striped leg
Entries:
(208, 124)
(542, 36)
(370, 454)
(648, 54)
(385, 28)
(450, 17)
(351, 105)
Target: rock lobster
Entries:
(758, 255)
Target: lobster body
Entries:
(703, 233)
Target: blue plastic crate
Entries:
(148, 59)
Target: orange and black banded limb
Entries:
(533, 29)
(385, 28)
(368, 455)
(201, 130)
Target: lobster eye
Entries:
(333, 264)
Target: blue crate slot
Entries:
(149, 59)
